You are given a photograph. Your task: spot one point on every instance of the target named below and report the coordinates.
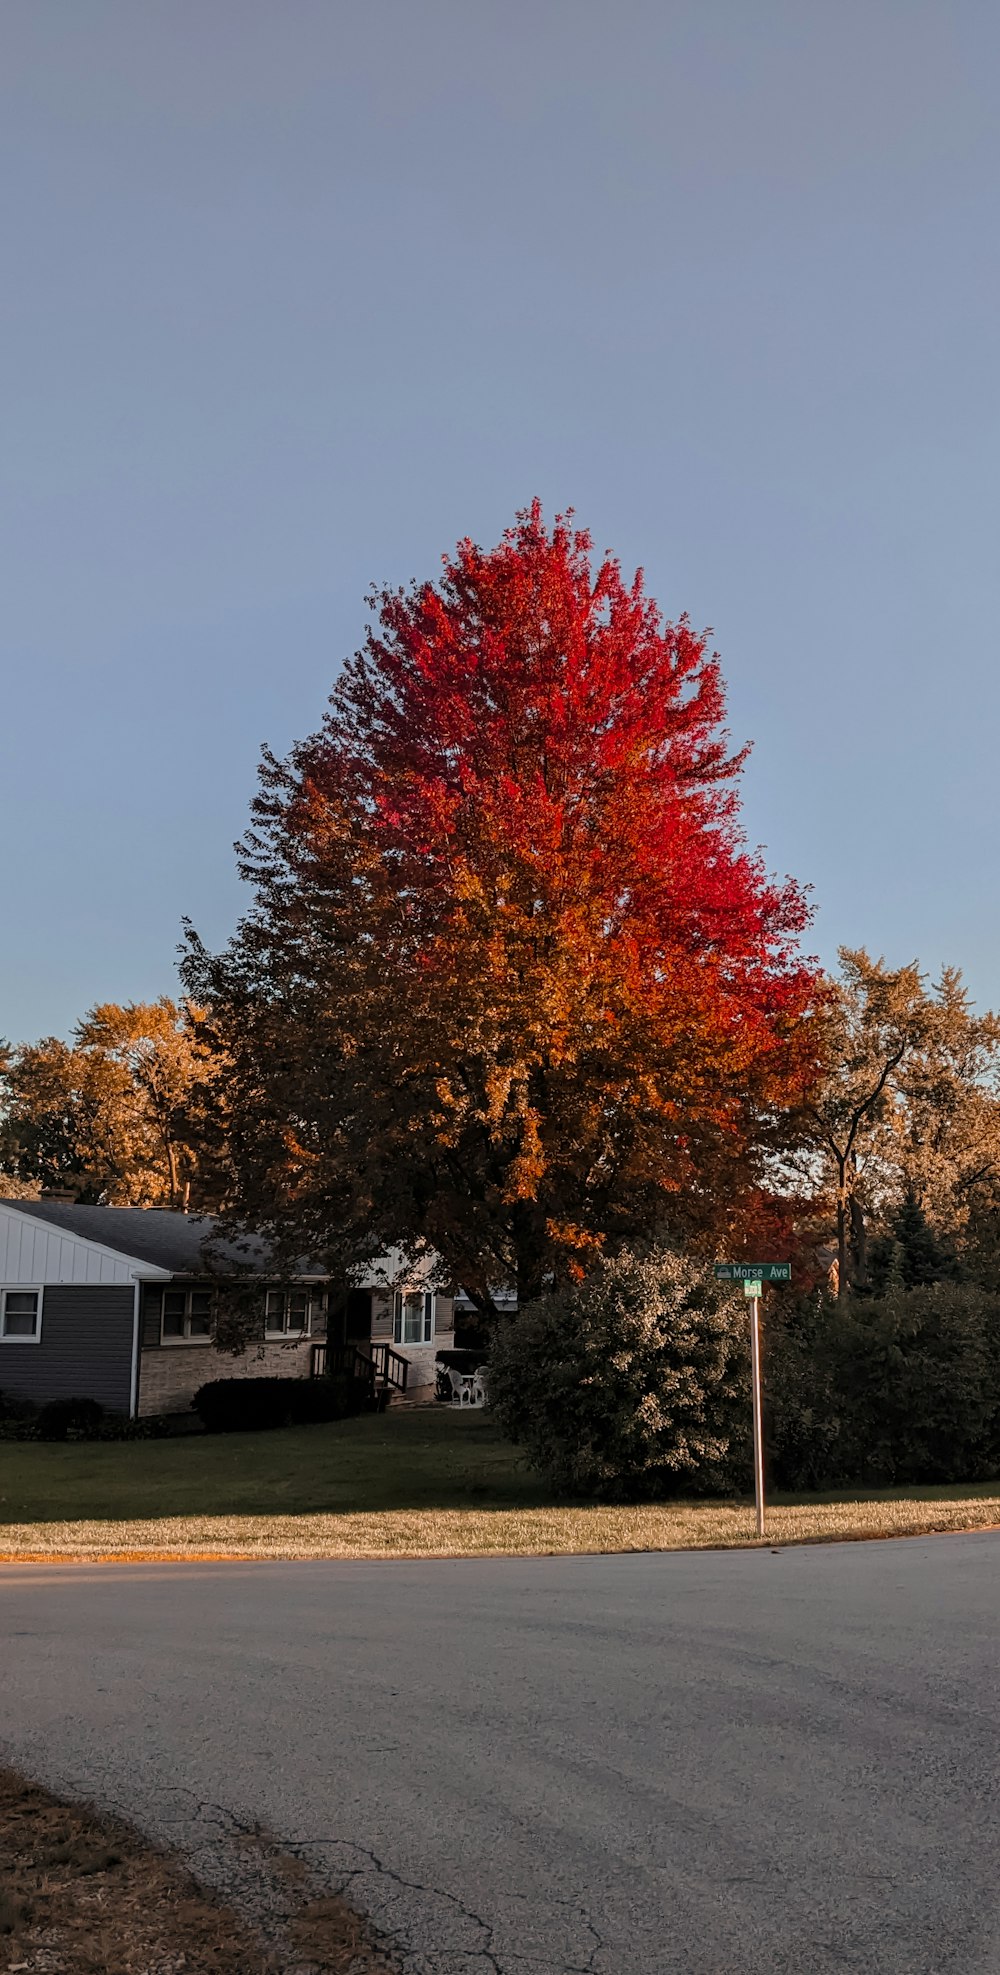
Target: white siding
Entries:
(392, 1270)
(34, 1252)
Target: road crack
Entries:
(486, 1952)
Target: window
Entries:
(20, 1316)
(412, 1317)
(286, 1312)
(187, 1316)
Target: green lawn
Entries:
(408, 1459)
(434, 1483)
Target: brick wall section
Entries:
(170, 1374)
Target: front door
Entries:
(358, 1317)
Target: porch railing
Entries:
(377, 1364)
(390, 1366)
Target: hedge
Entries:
(247, 1405)
(635, 1383)
(884, 1391)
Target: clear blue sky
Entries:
(294, 295)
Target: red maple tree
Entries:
(513, 985)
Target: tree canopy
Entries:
(114, 1116)
(512, 987)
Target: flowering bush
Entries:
(633, 1383)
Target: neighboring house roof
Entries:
(504, 1299)
(155, 1235)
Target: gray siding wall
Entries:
(85, 1352)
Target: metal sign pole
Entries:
(758, 1433)
(753, 1276)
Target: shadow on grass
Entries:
(407, 1459)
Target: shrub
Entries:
(885, 1391)
(13, 1407)
(62, 1419)
(150, 1426)
(21, 1419)
(634, 1383)
(248, 1405)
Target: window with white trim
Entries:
(186, 1316)
(20, 1316)
(287, 1312)
(412, 1317)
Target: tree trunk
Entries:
(843, 1284)
(859, 1245)
(531, 1250)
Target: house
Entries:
(117, 1304)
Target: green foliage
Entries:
(63, 1418)
(885, 1391)
(13, 1406)
(631, 1384)
(635, 1384)
(22, 1419)
(247, 1405)
(911, 1254)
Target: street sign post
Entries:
(753, 1276)
(758, 1424)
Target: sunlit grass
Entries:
(406, 1484)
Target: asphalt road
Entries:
(708, 1763)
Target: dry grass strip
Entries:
(491, 1532)
(86, 1895)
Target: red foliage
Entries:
(536, 741)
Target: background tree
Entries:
(910, 1255)
(948, 1123)
(906, 1113)
(111, 1117)
(872, 1017)
(512, 986)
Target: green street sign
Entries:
(753, 1271)
(752, 1288)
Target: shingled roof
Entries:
(168, 1240)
